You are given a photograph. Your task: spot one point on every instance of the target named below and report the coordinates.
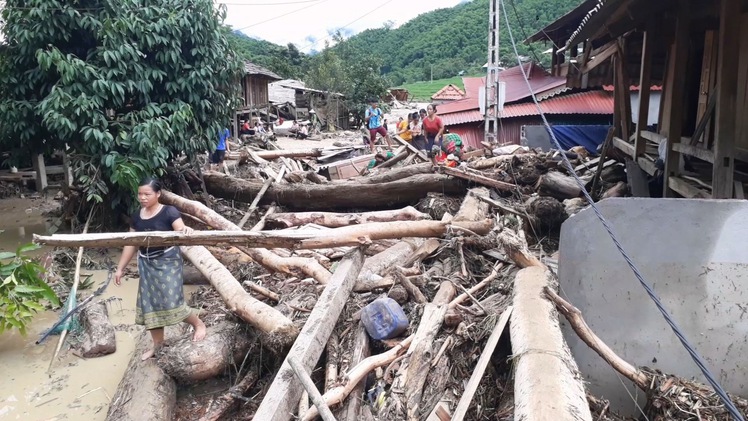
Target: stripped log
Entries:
(280, 329)
(285, 391)
(371, 275)
(146, 392)
(335, 220)
(269, 260)
(422, 351)
(336, 237)
(558, 186)
(393, 174)
(278, 153)
(335, 195)
(477, 177)
(98, 332)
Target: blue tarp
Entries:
(588, 136)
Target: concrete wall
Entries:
(694, 253)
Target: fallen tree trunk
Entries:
(280, 330)
(279, 153)
(228, 400)
(393, 174)
(336, 237)
(350, 410)
(371, 277)
(547, 383)
(558, 185)
(189, 362)
(98, 333)
(335, 195)
(285, 391)
(484, 164)
(335, 220)
(269, 260)
(146, 392)
(477, 177)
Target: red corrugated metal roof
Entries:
(449, 92)
(590, 102)
(473, 85)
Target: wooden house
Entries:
(698, 51)
(255, 96)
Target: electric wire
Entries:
(313, 44)
(698, 360)
(280, 16)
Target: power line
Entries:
(267, 4)
(700, 363)
(347, 25)
(280, 16)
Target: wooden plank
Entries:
(654, 137)
(603, 154)
(739, 192)
(708, 65)
(741, 154)
(623, 146)
(624, 96)
(411, 148)
(480, 367)
(647, 165)
(686, 189)
(637, 179)
(645, 82)
(723, 171)
(600, 55)
(41, 171)
(284, 393)
(694, 151)
(676, 84)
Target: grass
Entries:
(424, 90)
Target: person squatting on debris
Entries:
(217, 157)
(433, 128)
(160, 299)
(374, 121)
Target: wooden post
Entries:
(285, 391)
(616, 97)
(675, 91)
(645, 82)
(706, 88)
(67, 172)
(40, 169)
(726, 113)
(624, 92)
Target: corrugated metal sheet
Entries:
(448, 93)
(473, 85)
(590, 102)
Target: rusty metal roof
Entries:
(253, 69)
(449, 92)
(590, 102)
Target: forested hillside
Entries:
(445, 41)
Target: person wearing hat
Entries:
(374, 118)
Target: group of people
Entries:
(424, 129)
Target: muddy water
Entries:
(75, 388)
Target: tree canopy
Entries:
(125, 85)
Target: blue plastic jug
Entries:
(383, 318)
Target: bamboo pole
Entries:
(73, 290)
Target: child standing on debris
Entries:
(374, 121)
(160, 299)
(416, 130)
(223, 146)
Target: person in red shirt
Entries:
(433, 128)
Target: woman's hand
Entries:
(118, 277)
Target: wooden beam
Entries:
(694, 151)
(624, 146)
(284, 393)
(645, 82)
(676, 85)
(354, 235)
(40, 171)
(707, 96)
(599, 56)
(647, 165)
(686, 189)
(624, 90)
(480, 367)
(726, 113)
(477, 177)
(410, 147)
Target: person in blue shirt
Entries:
(223, 147)
(375, 123)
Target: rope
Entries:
(668, 318)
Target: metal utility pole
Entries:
(492, 95)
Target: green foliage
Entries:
(350, 72)
(455, 40)
(423, 91)
(22, 290)
(286, 61)
(126, 84)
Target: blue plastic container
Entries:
(383, 318)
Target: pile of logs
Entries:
(286, 337)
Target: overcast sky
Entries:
(309, 23)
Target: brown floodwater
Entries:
(74, 388)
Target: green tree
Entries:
(125, 84)
(22, 290)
